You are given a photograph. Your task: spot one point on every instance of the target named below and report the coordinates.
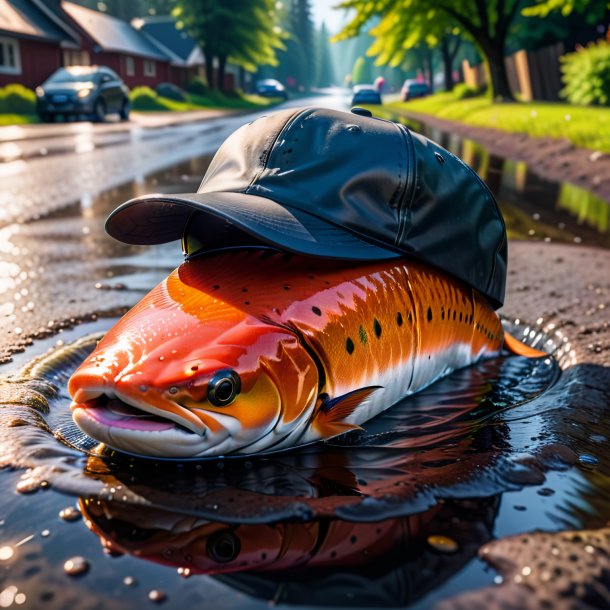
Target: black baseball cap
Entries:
(334, 184)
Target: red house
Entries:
(32, 42)
(113, 42)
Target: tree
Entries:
(361, 72)
(326, 74)
(487, 22)
(245, 32)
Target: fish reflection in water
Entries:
(320, 562)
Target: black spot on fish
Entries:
(410, 317)
(460, 316)
(470, 320)
(454, 312)
(215, 286)
(317, 311)
(311, 277)
(362, 334)
(244, 290)
(442, 313)
(246, 302)
(399, 319)
(286, 287)
(429, 314)
(377, 328)
(349, 346)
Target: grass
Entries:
(17, 119)
(584, 126)
(214, 100)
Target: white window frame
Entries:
(150, 68)
(130, 66)
(13, 44)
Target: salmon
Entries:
(245, 352)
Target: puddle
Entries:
(390, 516)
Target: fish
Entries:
(256, 351)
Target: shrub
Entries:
(462, 91)
(17, 99)
(586, 75)
(198, 86)
(144, 98)
(171, 92)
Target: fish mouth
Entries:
(131, 429)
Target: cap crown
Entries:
(375, 178)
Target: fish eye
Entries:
(223, 547)
(223, 388)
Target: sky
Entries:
(323, 11)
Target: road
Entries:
(62, 268)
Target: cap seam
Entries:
(287, 124)
(409, 190)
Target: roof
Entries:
(112, 34)
(25, 19)
(176, 43)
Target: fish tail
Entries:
(520, 349)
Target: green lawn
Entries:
(148, 101)
(17, 119)
(584, 126)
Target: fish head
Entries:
(184, 374)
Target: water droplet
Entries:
(586, 460)
(157, 596)
(45, 533)
(443, 544)
(498, 580)
(6, 552)
(184, 572)
(70, 513)
(129, 581)
(76, 566)
(526, 571)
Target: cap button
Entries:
(361, 111)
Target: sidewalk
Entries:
(139, 120)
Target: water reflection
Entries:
(318, 563)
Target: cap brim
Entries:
(159, 218)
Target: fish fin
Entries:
(520, 349)
(333, 411)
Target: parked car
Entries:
(412, 89)
(365, 94)
(271, 88)
(92, 90)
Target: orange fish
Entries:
(257, 351)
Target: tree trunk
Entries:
(429, 69)
(222, 64)
(494, 54)
(209, 68)
(447, 64)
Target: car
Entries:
(76, 90)
(270, 87)
(365, 94)
(412, 89)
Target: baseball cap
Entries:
(328, 183)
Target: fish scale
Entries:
(319, 347)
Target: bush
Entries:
(198, 86)
(586, 75)
(144, 98)
(462, 91)
(17, 99)
(171, 92)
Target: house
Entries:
(186, 58)
(115, 43)
(32, 42)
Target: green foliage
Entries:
(586, 75)
(171, 92)
(361, 72)
(144, 98)
(244, 32)
(17, 99)
(197, 86)
(462, 91)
